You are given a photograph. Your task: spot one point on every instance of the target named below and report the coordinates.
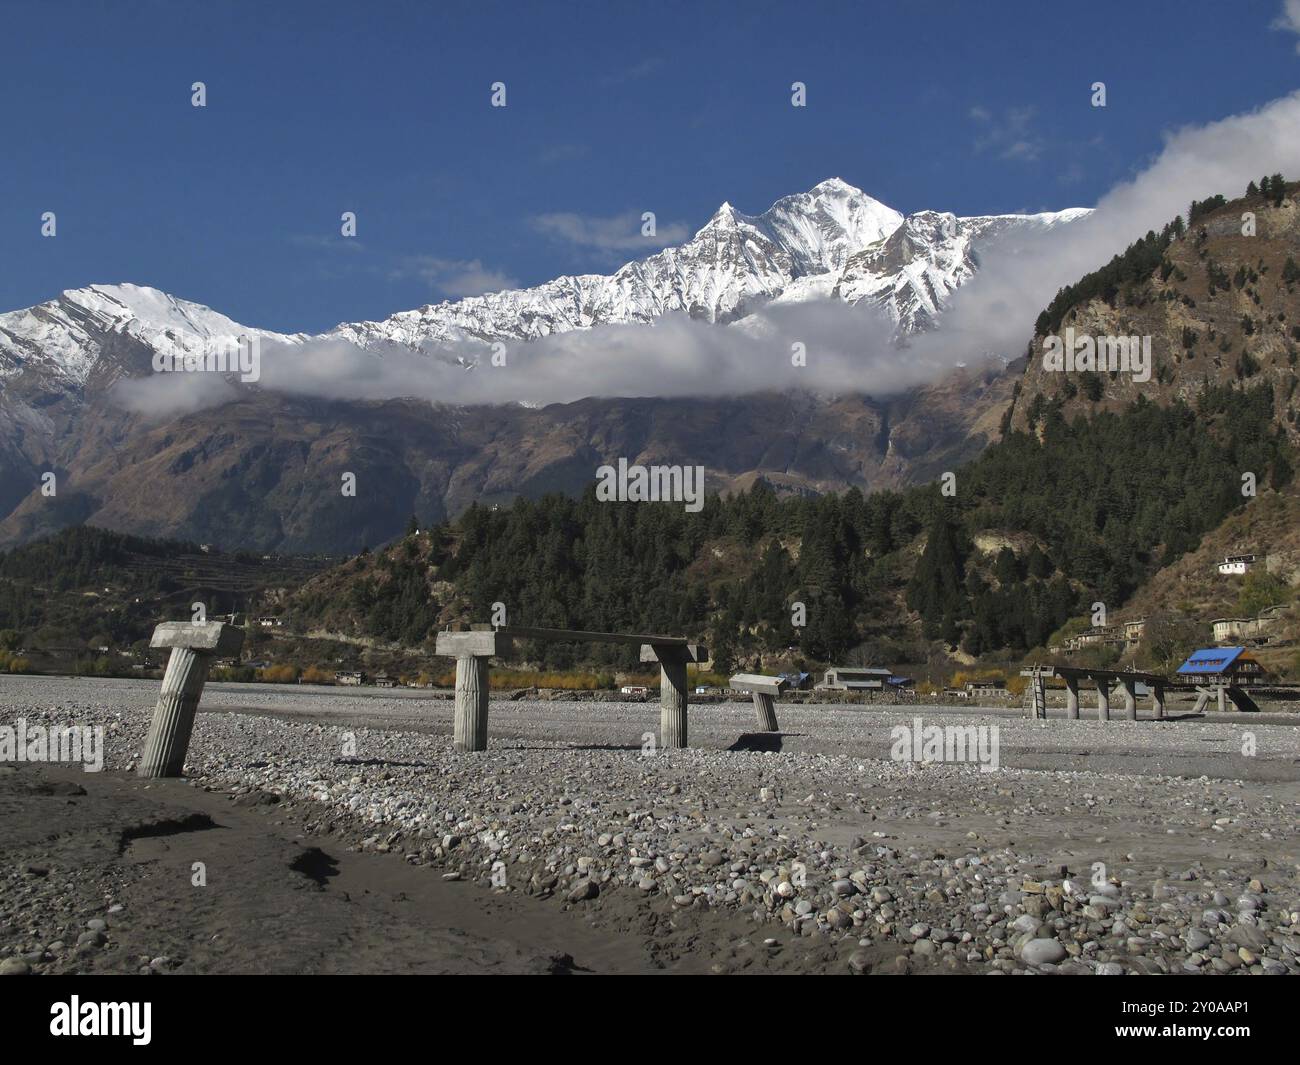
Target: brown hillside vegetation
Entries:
(1221, 306)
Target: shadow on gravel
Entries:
(757, 741)
(585, 747)
(172, 826)
(315, 865)
(381, 762)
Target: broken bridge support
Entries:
(1103, 698)
(1130, 697)
(1072, 698)
(673, 702)
(764, 689)
(193, 646)
(473, 652)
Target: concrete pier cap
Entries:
(208, 637)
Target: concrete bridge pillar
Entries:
(765, 709)
(473, 652)
(1221, 692)
(470, 723)
(193, 646)
(673, 701)
(1103, 698)
(1072, 698)
(1158, 701)
(1130, 698)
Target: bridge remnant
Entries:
(673, 659)
(764, 690)
(193, 646)
(1104, 680)
(474, 648)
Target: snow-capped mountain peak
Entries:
(68, 334)
(833, 241)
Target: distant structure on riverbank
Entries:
(1234, 665)
(861, 678)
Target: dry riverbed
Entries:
(339, 832)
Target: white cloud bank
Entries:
(848, 349)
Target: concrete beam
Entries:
(458, 644)
(209, 637)
(661, 652)
(757, 682)
(529, 632)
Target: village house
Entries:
(1236, 565)
(1230, 665)
(1256, 629)
(860, 678)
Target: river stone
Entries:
(584, 889)
(1042, 952)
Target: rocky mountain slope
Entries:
(1217, 305)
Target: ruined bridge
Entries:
(474, 649)
(1104, 680)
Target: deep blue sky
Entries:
(613, 109)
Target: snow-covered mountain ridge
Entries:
(833, 241)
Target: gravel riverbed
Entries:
(1093, 847)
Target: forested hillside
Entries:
(84, 589)
(1098, 482)
(1088, 509)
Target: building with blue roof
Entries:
(1222, 673)
(1231, 664)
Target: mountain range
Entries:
(262, 470)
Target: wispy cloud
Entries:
(321, 242)
(1011, 135)
(635, 72)
(562, 153)
(619, 233)
(454, 277)
(1289, 19)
